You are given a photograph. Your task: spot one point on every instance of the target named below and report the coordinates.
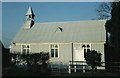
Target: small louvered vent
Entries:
(59, 29)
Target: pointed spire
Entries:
(29, 19)
(30, 13)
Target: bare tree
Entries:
(104, 10)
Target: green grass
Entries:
(87, 75)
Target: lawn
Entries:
(75, 75)
(87, 75)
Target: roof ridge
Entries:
(68, 21)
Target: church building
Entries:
(65, 41)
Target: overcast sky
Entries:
(13, 14)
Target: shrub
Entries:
(34, 64)
(93, 59)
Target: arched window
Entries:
(56, 46)
(83, 46)
(88, 45)
(86, 48)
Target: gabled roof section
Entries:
(75, 31)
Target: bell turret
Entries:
(29, 19)
(30, 14)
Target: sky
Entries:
(13, 14)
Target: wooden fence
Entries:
(75, 66)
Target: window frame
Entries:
(50, 48)
(25, 48)
(86, 48)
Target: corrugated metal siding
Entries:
(39, 48)
(77, 31)
(100, 48)
(16, 48)
(65, 50)
(42, 34)
(65, 54)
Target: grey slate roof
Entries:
(63, 32)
